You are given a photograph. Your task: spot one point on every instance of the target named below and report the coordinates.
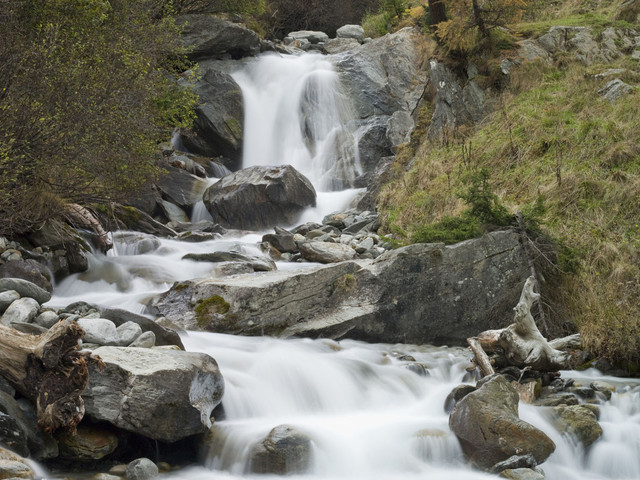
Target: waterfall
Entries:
(296, 114)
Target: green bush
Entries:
(449, 230)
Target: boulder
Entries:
(30, 270)
(25, 289)
(257, 263)
(284, 451)
(578, 422)
(23, 310)
(141, 469)
(312, 36)
(209, 37)
(384, 75)
(487, 425)
(161, 394)
(181, 188)
(12, 436)
(615, 89)
(259, 197)
(99, 331)
(281, 242)
(163, 336)
(522, 474)
(351, 31)
(173, 212)
(131, 218)
(373, 142)
(127, 333)
(7, 298)
(325, 252)
(218, 126)
(463, 289)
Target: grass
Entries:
(552, 141)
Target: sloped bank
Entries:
(423, 293)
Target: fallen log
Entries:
(522, 342)
(48, 369)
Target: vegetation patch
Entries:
(345, 285)
(206, 309)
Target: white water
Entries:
(296, 114)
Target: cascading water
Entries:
(296, 114)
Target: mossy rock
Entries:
(208, 309)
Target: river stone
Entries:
(141, 469)
(22, 310)
(522, 474)
(180, 188)
(164, 336)
(257, 263)
(47, 319)
(325, 252)
(146, 340)
(14, 466)
(41, 444)
(283, 242)
(87, 443)
(457, 394)
(578, 422)
(210, 37)
(99, 330)
(487, 425)
(351, 31)
(25, 289)
(127, 333)
(219, 118)
(162, 394)
(312, 36)
(7, 298)
(284, 451)
(259, 197)
(173, 212)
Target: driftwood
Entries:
(48, 369)
(522, 342)
(481, 358)
(80, 217)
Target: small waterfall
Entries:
(296, 114)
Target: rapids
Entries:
(368, 415)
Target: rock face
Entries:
(284, 451)
(164, 395)
(578, 422)
(487, 425)
(259, 197)
(181, 188)
(463, 289)
(219, 118)
(211, 37)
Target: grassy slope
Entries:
(552, 142)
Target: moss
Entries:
(345, 284)
(209, 307)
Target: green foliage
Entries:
(448, 230)
(209, 307)
(86, 94)
(485, 204)
(389, 14)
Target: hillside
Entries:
(557, 150)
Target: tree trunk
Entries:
(477, 16)
(438, 12)
(48, 369)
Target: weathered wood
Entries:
(481, 358)
(50, 370)
(80, 217)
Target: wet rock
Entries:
(7, 298)
(141, 469)
(522, 474)
(284, 451)
(577, 421)
(164, 336)
(219, 119)
(25, 289)
(457, 394)
(12, 436)
(30, 270)
(23, 310)
(14, 466)
(517, 461)
(257, 263)
(146, 340)
(208, 37)
(87, 443)
(161, 394)
(282, 242)
(127, 333)
(312, 36)
(259, 197)
(99, 330)
(556, 399)
(487, 424)
(325, 252)
(42, 445)
(181, 188)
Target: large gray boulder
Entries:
(209, 37)
(180, 187)
(161, 394)
(351, 31)
(462, 289)
(325, 252)
(25, 289)
(489, 429)
(259, 197)
(218, 127)
(284, 451)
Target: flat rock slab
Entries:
(161, 394)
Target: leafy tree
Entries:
(471, 20)
(86, 93)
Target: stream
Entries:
(369, 415)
